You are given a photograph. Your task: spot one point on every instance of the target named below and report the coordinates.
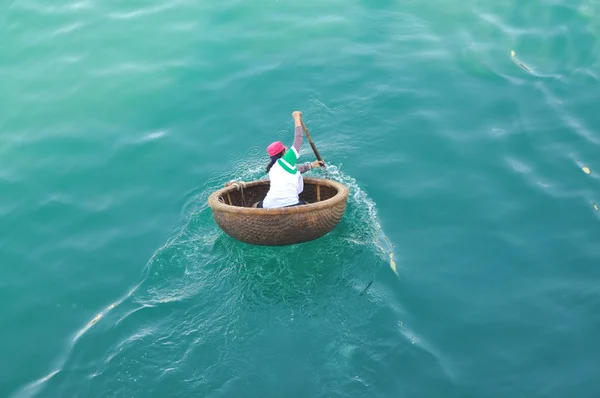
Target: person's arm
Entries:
(298, 136)
(303, 168)
(293, 154)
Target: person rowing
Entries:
(284, 175)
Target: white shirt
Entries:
(286, 182)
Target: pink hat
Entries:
(275, 148)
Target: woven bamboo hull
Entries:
(231, 207)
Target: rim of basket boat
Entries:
(217, 205)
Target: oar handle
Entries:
(310, 141)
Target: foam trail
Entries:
(368, 228)
(360, 200)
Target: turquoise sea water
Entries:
(118, 119)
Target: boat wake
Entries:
(200, 272)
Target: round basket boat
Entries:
(232, 210)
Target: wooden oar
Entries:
(310, 141)
(319, 158)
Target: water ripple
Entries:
(475, 166)
(60, 9)
(142, 12)
(515, 31)
(68, 29)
